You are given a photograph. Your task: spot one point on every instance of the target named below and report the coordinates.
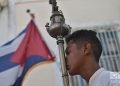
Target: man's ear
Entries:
(87, 48)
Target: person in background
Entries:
(83, 53)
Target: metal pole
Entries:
(58, 29)
(60, 43)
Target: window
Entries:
(110, 57)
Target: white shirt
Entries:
(103, 77)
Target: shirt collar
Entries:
(96, 74)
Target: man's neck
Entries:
(88, 71)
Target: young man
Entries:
(83, 53)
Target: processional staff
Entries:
(58, 29)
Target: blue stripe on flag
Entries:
(32, 60)
(29, 63)
(5, 62)
(8, 43)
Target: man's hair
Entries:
(81, 36)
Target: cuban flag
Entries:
(21, 53)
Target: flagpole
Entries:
(58, 29)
